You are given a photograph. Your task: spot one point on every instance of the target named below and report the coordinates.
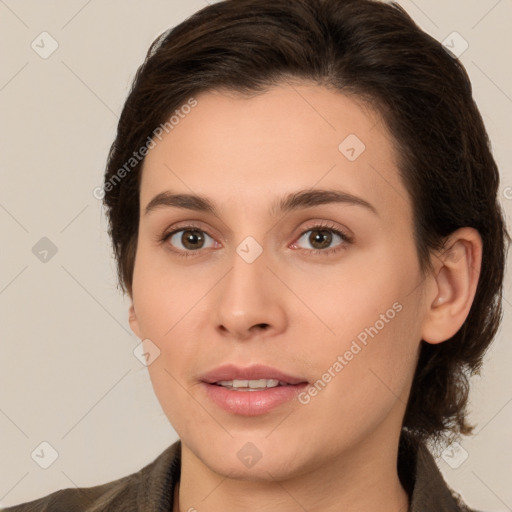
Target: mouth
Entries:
(250, 391)
(251, 377)
(251, 385)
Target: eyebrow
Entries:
(291, 202)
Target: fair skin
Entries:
(339, 450)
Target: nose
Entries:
(250, 301)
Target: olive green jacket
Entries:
(151, 489)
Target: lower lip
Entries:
(252, 403)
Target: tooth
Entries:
(250, 385)
(261, 383)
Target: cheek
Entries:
(372, 342)
(163, 294)
(360, 298)
(361, 383)
(168, 305)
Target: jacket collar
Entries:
(423, 481)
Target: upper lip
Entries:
(254, 372)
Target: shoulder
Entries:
(151, 485)
(80, 499)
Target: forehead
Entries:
(251, 150)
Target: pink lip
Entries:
(250, 403)
(232, 372)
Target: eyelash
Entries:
(317, 227)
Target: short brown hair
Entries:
(375, 51)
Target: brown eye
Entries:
(320, 239)
(188, 239)
(323, 239)
(192, 239)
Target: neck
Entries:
(365, 479)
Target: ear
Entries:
(134, 323)
(455, 279)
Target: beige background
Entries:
(68, 373)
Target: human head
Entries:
(375, 53)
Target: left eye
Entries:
(322, 238)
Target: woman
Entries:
(303, 208)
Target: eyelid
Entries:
(191, 224)
(328, 226)
(184, 226)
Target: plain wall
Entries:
(68, 375)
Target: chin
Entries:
(261, 471)
(250, 457)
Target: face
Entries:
(292, 264)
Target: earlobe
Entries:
(134, 324)
(457, 269)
